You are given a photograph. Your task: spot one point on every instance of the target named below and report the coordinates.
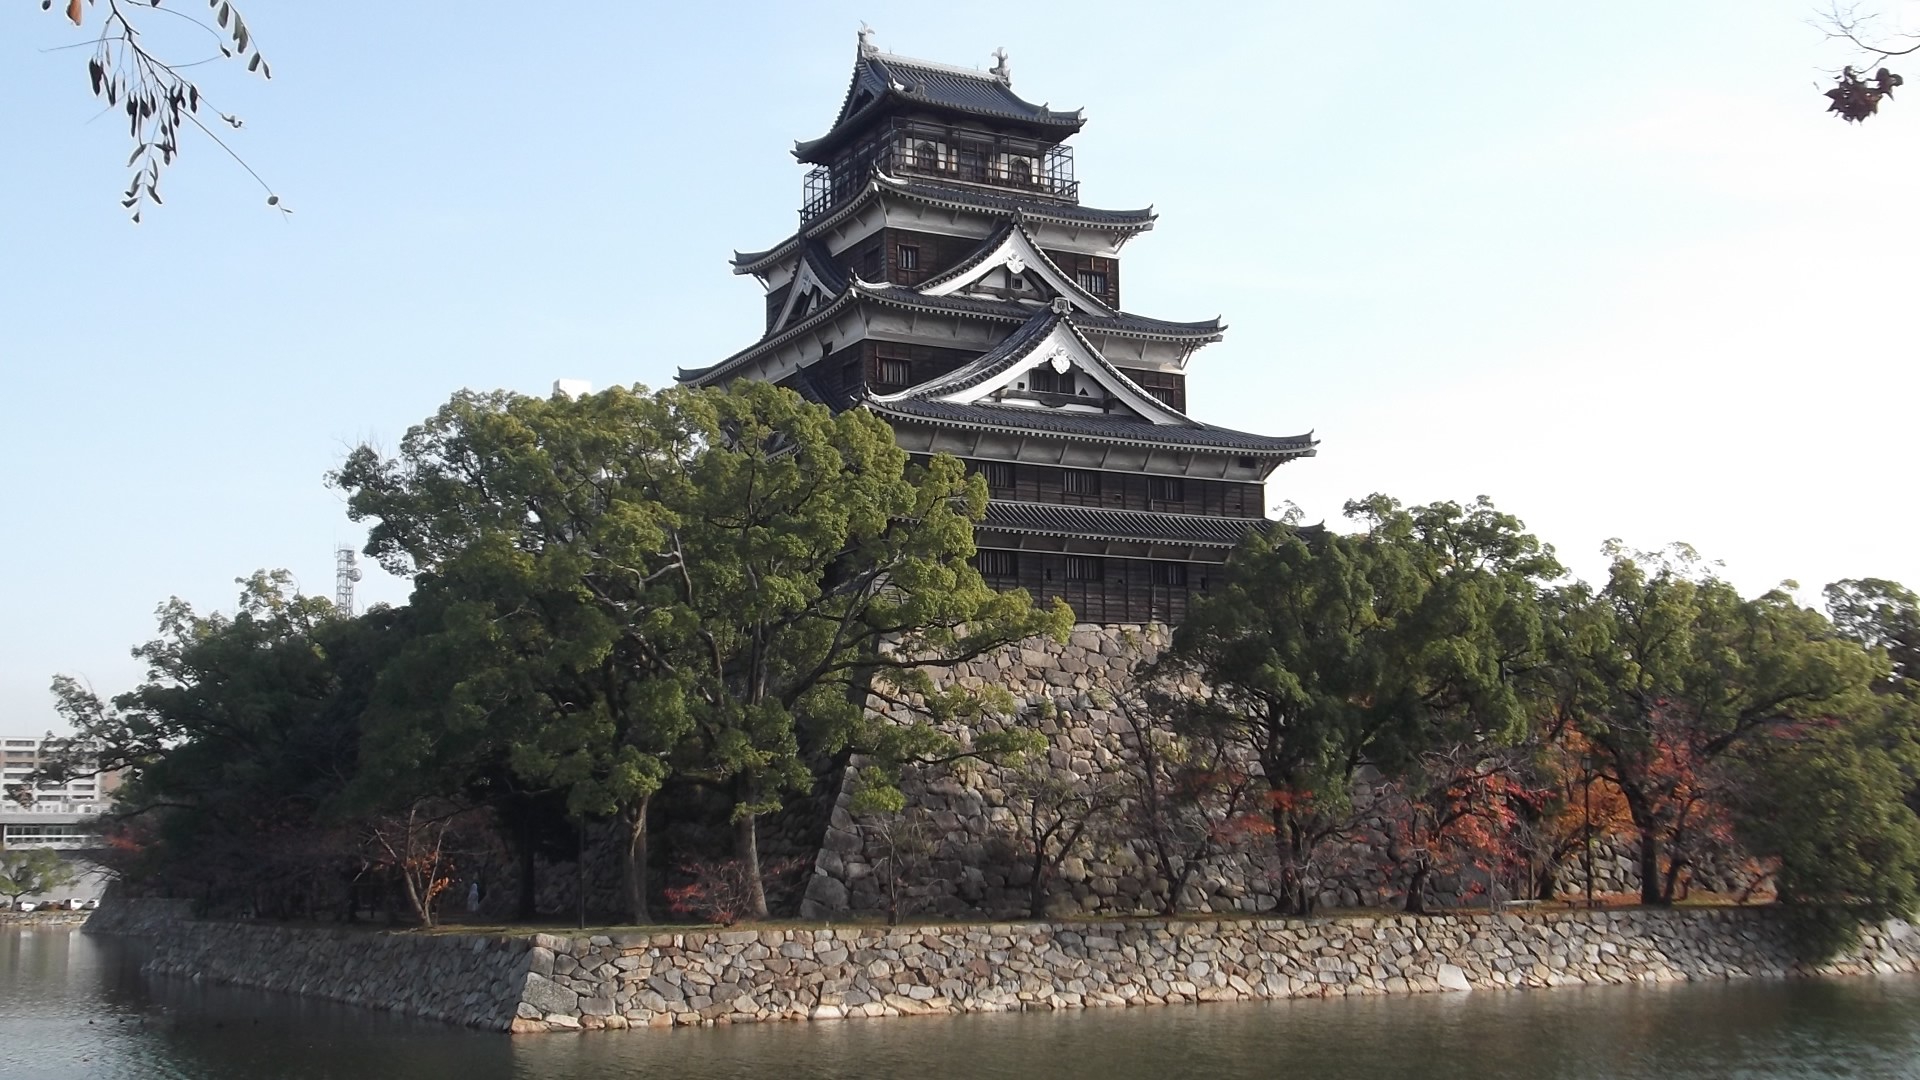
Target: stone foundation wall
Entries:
(548, 983)
(463, 979)
(31, 919)
(1066, 691)
(747, 976)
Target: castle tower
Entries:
(945, 276)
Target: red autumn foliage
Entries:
(721, 891)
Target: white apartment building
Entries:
(59, 815)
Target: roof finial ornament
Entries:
(867, 47)
(1001, 70)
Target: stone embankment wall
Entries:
(466, 979)
(615, 981)
(31, 919)
(749, 976)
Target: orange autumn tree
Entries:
(1458, 811)
(1568, 812)
(1667, 668)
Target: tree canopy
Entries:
(692, 609)
(1328, 652)
(703, 583)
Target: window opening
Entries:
(998, 564)
(1045, 380)
(895, 372)
(1085, 568)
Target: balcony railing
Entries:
(961, 156)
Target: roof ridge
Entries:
(1207, 437)
(888, 58)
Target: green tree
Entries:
(704, 583)
(1884, 615)
(538, 548)
(1828, 807)
(240, 740)
(1667, 668)
(1328, 652)
(27, 873)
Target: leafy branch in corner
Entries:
(160, 102)
(1856, 95)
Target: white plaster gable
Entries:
(806, 296)
(1063, 350)
(1016, 253)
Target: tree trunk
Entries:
(1037, 887)
(1417, 889)
(580, 872)
(634, 865)
(1290, 888)
(746, 848)
(1650, 868)
(1669, 888)
(1546, 881)
(525, 906)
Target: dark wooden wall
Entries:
(1169, 386)
(1074, 264)
(1134, 491)
(923, 361)
(777, 300)
(1129, 590)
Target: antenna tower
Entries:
(346, 571)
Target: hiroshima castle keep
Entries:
(945, 276)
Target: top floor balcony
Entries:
(963, 157)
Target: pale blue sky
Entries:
(1607, 263)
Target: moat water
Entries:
(74, 1006)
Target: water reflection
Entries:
(74, 1006)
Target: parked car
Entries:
(73, 904)
(26, 906)
(92, 904)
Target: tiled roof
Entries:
(1011, 311)
(881, 80)
(704, 375)
(1010, 351)
(746, 262)
(1100, 523)
(1020, 345)
(1014, 311)
(810, 386)
(1008, 205)
(1098, 427)
(832, 277)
